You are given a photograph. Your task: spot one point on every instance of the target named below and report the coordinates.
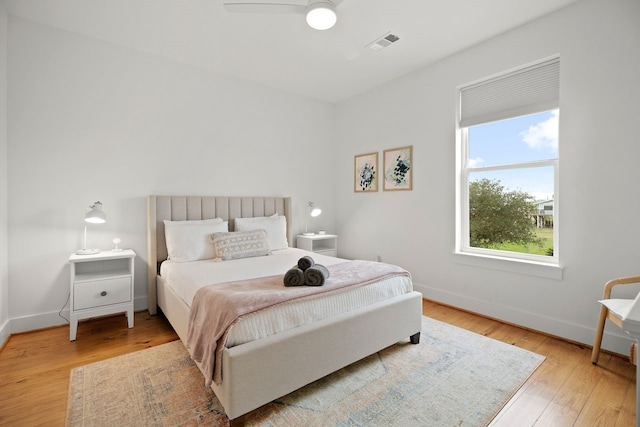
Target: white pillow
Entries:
(240, 244)
(275, 226)
(190, 242)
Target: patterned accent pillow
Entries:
(240, 244)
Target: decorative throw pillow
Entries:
(275, 226)
(240, 244)
(189, 242)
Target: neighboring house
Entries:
(543, 214)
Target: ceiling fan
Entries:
(320, 14)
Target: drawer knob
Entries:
(103, 293)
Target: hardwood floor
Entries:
(566, 390)
(35, 366)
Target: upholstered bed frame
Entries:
(261, 371)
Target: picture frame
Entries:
(398, 169)
(365, 178)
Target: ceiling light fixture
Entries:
(321, 14)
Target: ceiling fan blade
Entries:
(266, 6)
(339, 37)
(269, 6)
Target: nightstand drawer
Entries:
(101, 292)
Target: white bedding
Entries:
(187, 278)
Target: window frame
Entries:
(530, 264)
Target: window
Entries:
(508, 165)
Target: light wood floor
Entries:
(566, 390)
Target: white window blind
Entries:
(528, 90)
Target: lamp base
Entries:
(87, 251)
(308, 234)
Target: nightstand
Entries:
(325, 244)
(101, 284)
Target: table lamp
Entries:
(94, 216)
(313, 211)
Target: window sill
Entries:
(529, 268)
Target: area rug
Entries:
(452, 378)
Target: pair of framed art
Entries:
(397, 170)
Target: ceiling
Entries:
(281, 51)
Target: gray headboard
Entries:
(181, 208)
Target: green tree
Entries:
(498, 216)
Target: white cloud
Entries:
(543, 134)
(474, 163)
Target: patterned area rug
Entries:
(452, 378)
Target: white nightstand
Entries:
(325, 244)
(101, 284)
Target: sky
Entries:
(519, 140)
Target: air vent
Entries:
(383, 42)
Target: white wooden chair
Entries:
(615, 310)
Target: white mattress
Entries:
(187, 278)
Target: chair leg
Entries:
(595, 353)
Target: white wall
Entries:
(4, 283)
(599, 45)
(94, 121)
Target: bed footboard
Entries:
(259, 372)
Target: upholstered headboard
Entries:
(180, 208)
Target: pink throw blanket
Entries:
(216, 308)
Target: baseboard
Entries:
(38, 321)
(140, 303)
(5, 333)
(556, 327)
(51, 319)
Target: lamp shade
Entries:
(95, 215)
(321, 15)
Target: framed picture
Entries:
(365, 173)
(398, 168)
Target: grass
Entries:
(545, 233)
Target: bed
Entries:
(258, 371)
